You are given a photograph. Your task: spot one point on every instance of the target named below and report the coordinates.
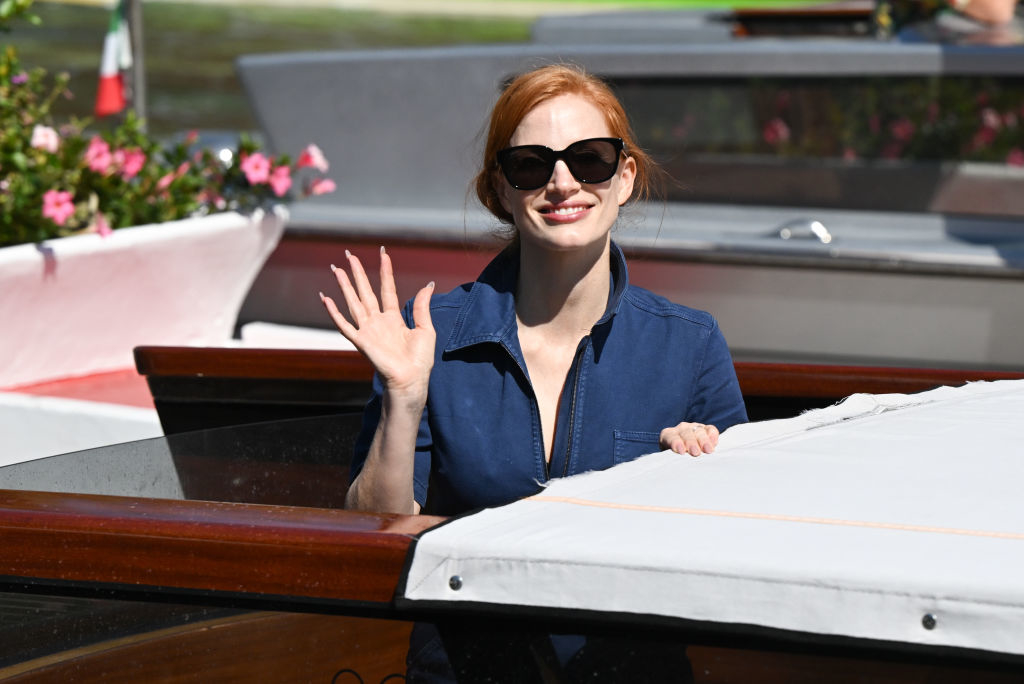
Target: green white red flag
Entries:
(117, 58)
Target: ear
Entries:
(627, 174)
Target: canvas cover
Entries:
(885, 517)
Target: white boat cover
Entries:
(886, 517)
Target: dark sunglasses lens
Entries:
(528, 168)
(592, 161)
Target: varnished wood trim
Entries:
(205, 546)
(756, 379)
(828, 381)
(228, 362)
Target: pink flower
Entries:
(256, 168)
(57, 206)
(165, 181)
(990, 119)
(45, 138)
(983, 138)
(102, 227)
(280, 180)
(849, 154)
(314, 157)
(98, 156)
(19, 78)
(168, 178)
(775, 132)
(902, 129)
(1015, 157)
(322, 186)
(130, 161)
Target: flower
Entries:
(129, 162)
(45, 138)
(256, 168)
(57, 180)
(313, 157)
(101, 225)
(1015, 157)
(98, 157)
(321, 186)
(57, 206)
(775, 132)
(280, 180)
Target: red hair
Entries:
(527, 91)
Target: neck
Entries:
(565, 290)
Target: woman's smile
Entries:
(565, 212)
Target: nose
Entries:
(562, 179)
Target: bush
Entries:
(59, 179)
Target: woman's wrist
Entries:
(410, 399)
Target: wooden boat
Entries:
(221, 555)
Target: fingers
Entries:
(421, 307)
(690, 438)
(355, 306)
(388, 292)
(362, 284)
(344, 327)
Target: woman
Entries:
(550, 363)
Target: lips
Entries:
(565, 212)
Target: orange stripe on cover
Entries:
(777, 517)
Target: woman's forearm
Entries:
(385, 484)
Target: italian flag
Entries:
(117, 57)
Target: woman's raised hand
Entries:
(690, 438)
(402, 356)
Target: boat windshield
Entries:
(921, 143)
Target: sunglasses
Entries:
(528, 167)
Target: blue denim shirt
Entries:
(648, 364)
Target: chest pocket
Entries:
(631, 444)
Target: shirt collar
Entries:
(489, 312)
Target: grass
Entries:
(191, 50)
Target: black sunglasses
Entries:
(528, 167)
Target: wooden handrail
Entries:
(231, 362)
(834, 381)
(756, 379)
(201, 547)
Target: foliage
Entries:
(58, 180)
(13, 9)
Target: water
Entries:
(190, 51)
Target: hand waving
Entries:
(402, 356)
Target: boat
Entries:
(170, 556)
(815, 230)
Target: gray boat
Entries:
(839, 199)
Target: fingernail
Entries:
(382, 249)
(348, 253)
(431, 284)
(321, 296)
(333, 268)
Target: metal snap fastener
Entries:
(929, 621)
(455, 582)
